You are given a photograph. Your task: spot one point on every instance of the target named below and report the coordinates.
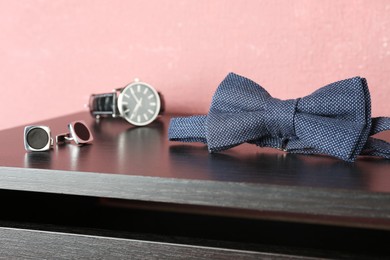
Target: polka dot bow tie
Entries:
(334, 120)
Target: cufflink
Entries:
(37, 138)
(78, 132)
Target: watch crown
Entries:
(136, 80)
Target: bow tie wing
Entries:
(335, 119)
(346, 99)
(238, 94)
(226, 130)
(236, 113)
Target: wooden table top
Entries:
(139, 164)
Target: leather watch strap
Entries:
(162, 103)
(103, 104)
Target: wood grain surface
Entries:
(140, 164)
(33, 244)
(245, 203)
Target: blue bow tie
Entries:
(334, 120)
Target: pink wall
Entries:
(53, 54)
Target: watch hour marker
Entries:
(127, 111)
(132, 91)
(126, 95)
(152, 104)
(145, 90)
(150, 111)
(139, 88)
(151, 96)
(132, 115)
(138, 118)
(146, 117)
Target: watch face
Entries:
(139, 103)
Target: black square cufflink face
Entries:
(37, 138)
(78, 132)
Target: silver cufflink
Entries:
(78, 132)
(37, 138)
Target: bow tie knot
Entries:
(280, 124)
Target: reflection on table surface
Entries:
(120, 148)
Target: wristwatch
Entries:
(138, 102)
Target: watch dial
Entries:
(139, 103)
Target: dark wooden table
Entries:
(134, 194)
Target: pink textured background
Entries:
(54, 54)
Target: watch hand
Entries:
(139, 103)
(134, 96)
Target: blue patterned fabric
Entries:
(334, 120)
